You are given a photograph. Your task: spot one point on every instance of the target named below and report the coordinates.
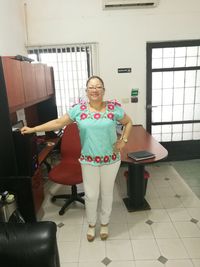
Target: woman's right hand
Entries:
(27, 130)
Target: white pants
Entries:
(99, 180)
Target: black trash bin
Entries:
(8, 208)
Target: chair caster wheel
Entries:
(61, 212)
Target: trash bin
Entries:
(8, 208)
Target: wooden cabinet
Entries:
(23, 86)
(14, 82)
(40, 80)
(29, 82)
(26, 83)
(49, 80)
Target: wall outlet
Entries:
(125, 100)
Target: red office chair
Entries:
(68, 171)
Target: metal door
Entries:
(173, 97)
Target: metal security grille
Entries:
(72, 65)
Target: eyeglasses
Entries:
(98, 88)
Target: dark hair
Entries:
(95, 77)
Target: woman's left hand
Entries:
(119, 145)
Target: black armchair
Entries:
(28, 245)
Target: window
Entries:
(72, 65)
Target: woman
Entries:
(100, 154)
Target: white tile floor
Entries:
(167, 235)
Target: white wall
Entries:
(12, 31)
(121, 34)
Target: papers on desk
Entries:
(40, 133)
(141, 155)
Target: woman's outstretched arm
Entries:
(48, 126)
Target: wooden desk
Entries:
(37, 181)
(139, 139)
(47, 149)
(29, 190)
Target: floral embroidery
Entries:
(81, 157)
(114, 102)
(85, 113)
(111, 106)
(114, 156)
(83, 107)
(98, 159)
(82, 101)
(83, 116)
(110, 116)
(106, 159)
(97, 116)
(89, 158)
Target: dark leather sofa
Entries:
(28, 245)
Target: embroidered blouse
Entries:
(97, 132)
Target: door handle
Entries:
(149, 106)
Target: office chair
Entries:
(68, 171)
(29, 244)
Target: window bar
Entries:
(84, 78)
(195, 92)
(80, 68)
(172, 130)
(80, 72)
(172, 107)
(194, 97)
(184, 89)
(92, 53)
(75, 73)
(72, 71)
(182, 125)
(197, 56)
(90, 62)
(59, 83)
(161, 110)
(67, 80)
(83, 61)
(83, 66)
(196, 82)
(63, 89)
(78, 53)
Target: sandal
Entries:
(104, 232)
(91, 233)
